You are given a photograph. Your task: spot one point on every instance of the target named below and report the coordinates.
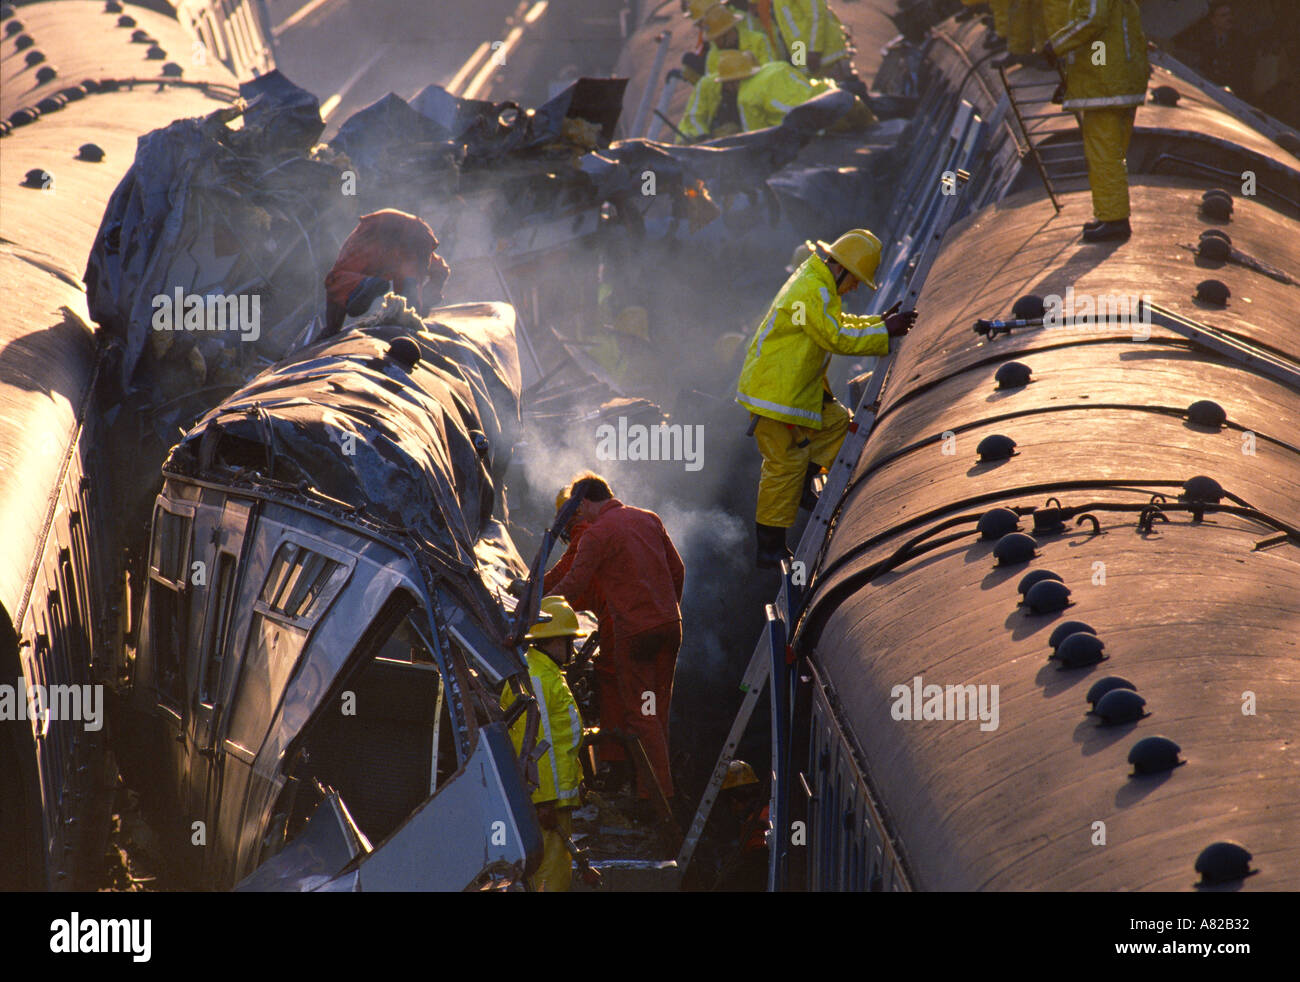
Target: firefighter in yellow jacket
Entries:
(799, 425)
(743, 96)
(559, 772)
(1104, 53)
(726, 30)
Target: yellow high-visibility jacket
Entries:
(558, 770)
(785, 366)
(763, 99)
(813, 23)
(1122, 79)
(1055, 15)
(1001, 17)
(1020, 26)
(751, 40)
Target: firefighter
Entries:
(813, 38)
(798, 423)
(727, 31)
(1104, 52)
(743, 96)
(627, 552)
(747, 812)
(558, 770)
(387, 247)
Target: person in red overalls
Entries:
(627, 555)
(386, 247)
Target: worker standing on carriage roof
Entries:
(386, 247)
(1104, 53)
(783, 382)
(743, 96)
(559, 772)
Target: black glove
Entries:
(1049, 53)
(899, 324)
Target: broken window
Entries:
(297, 581)
(214, 652)
(389, 741)
(168, 612)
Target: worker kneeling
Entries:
(742, 96)
(798, 423)
(558, 771)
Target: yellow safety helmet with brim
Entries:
(717, 21)
(558, 621)
(735, 65)
(739, 775)
(858, 251)
(696, 9)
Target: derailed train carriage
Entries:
(323, 643)
(1147, 467)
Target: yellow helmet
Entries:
(717, 21)
(739, 774)
(858, 251)
(735, 65)
(558, 621)
(634, 321)
(696, 9)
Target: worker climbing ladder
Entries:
(1058, 162)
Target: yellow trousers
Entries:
(556, 871)
(1106, 135)
(787, 452)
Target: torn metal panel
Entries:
(329, 841)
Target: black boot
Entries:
(771, 546)
(1108, 231)
(808, 500)
(1095, 223)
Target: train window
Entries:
(215, 649)
(297, 581)
(272, 652)
(170, 552)
(168, 619)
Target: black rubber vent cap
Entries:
(33, 58)
(1213, 291)
(1065, 629)
(1012, 375)
(112, 7)
(24, 116)
(141, 37)
(1214, 248)
(38, 178)
(1029, 307)
(1202, 488)
(404, 352)
(1217, 206)
(51, 104)
(997, 522)
(172, 70)
(24, 41)
(155, 53)
(1216, 233)
(73, 93)
(126, 20)
(1079, 650)
(1224, 862)
(13, 27)
(1014, 548)
(1036, 576)
(1205, 412)
(90, 152)
(995, 447)
(1165, 95)
(1154, 755)
(1047, 596)
(1108, 684)
(1120, 706)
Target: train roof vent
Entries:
(1036, 576)
(1012, 375)
(996, 447)
(1109, 683)
(1222, 862)
(1213, 291)
(1013, 548)
(1153, 755)
(1047, 596)
(155, 53)
(1202, 488)
(1079, 650)
(24, 41)
(141, 37)
(1065, 629)
(1120, 706)
(93, 153)
(126, 20)
(997, 522)
(1165, 95)
(13, 27)
(1217, 203)
(1215, 248)
(112, 7)
(38, 178)
(404, 351)
(1205, 412)
(1029, 307)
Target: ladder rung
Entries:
(1043, 116)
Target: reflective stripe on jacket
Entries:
(785, 365)
(560, 726)
(1122, 79)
